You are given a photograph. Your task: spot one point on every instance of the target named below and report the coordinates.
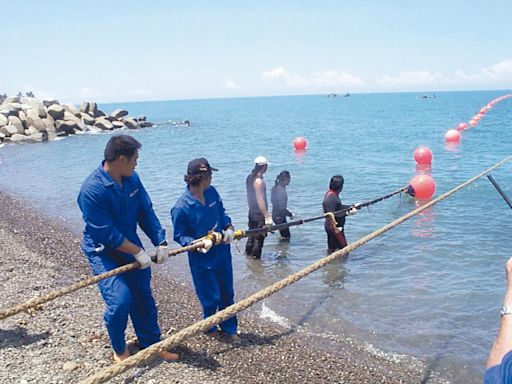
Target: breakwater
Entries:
(32, 120)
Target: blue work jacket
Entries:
(111, 213)
(192, 220)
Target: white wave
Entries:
(394, 357)
(267, 313)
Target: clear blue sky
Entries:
(158, 50)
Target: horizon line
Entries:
(269, 96)
(302, 95)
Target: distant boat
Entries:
(432, 96)
(336, 95)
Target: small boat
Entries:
(432, 96)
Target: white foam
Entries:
(267, 313)
(394, 357)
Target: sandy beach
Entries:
(65, 340)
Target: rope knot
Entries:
(215, 237)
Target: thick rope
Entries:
(230, 311)
(37, 301)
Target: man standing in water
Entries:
(113, 202)
(499, 363)
(258, 206)
(198, 211)
(332, 203)
(279, 199)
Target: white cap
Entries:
(261, 160)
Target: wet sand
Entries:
(65, 341)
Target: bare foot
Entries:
(122, 356)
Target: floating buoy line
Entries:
(423, 183)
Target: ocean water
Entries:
(431, 288)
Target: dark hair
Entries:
(258, 168)
(336, 183)
(195, 180)
(283, 175)
(121, 145)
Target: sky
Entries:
(115, 51)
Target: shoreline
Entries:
(66, 341)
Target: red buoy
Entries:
(452, 136)
(462, 126)
(423, 155)
(473, 122)
(423, 168)
(422, 186)
(300, 143)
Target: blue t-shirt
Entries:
(501, 373)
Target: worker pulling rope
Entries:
(215, 237)
(36, 301)
(203, 325)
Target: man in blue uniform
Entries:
(113, 202)
(198, 211)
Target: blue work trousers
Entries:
(129, 294)
(212, 274)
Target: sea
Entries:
(430, 288)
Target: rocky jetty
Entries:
(28, 119)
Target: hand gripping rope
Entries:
(37, 301)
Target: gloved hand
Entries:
(143, 258)
(352, 211)
(290, 214)
(338, 229)
(162, 254)
(205, 244)
(228, 235)
(268, 221)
